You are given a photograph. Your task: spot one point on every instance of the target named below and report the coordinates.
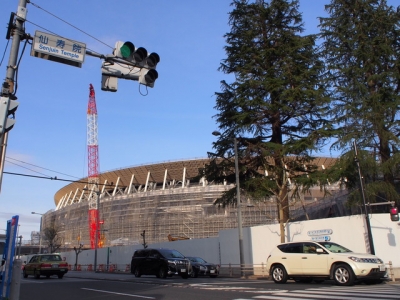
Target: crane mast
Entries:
(93, 169)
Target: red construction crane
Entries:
(93, 169)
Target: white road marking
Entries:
(115, 293)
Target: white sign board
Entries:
(58, 49)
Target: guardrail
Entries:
(245, 270)
(231, 270)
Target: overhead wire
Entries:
(59, 179)
(71, 25)
(16, 85)
(7, 159)
(4, 54)
(24, 167)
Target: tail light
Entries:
(45, 265)
(63, 265)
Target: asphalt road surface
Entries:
(126, 286)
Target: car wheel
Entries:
(60, 275)
(24, 274)
(194, 274)
(185, 275)
(36, 274)
(162, 273)
(279, 274)
(343, 275)
(137, 272)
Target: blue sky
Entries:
(174, 121)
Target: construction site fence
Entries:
(229, 270)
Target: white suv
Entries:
(309, 260)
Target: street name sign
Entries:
(58, 49)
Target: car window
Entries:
(54, 258)
(310, 248)
(197, 259)
(335, 248)
(140, 253)
(291, 248)
(171, 253)
(154, 254)
(33, 259)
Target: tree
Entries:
(51, 237)
(276, 106)
(77, 252)
(361, 46)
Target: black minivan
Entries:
(160, 262)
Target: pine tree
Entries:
(362, 50)
(276, 107)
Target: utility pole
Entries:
(367, 222)
(8, 103)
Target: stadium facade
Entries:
(157, 202)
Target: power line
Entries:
(24, 167)
(45, 29)
(7, 159)
(71, 25)
(55, 178)
(4, 54)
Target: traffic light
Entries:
(127, 51)
(148, 77)
(129, 62)
(152, 60)
(7, 108)
(394, 214)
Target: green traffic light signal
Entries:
(127, 49)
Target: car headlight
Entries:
(366, 260)
(172, 262)
(204, 268)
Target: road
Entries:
(126, 286)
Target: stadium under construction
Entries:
(162, 201)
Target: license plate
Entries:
(382, 268)
(212, 271)
(54, 266)
(183, 270)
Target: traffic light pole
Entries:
(7, 89)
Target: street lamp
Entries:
(239, 209)
(40, 230)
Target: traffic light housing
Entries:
(109, 83)
(148, 77)
(7, 109)
(129, 62)
(394, 214)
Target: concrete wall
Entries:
(258, 241)
(348, 231)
